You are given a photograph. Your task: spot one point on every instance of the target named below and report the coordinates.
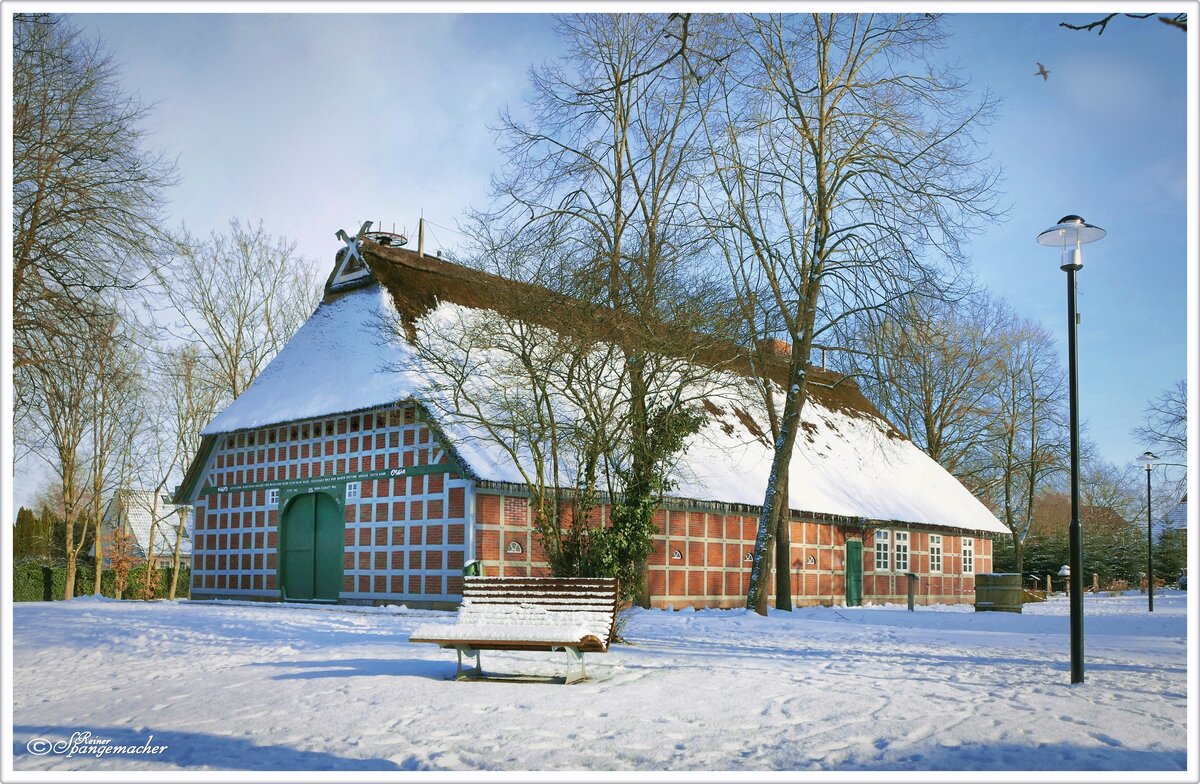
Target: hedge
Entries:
(34, 581)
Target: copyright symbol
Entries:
(39, 746)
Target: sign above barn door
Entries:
(322, 483)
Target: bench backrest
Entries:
(586, 601)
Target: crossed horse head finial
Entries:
(355, 242)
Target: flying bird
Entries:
(1042, 72)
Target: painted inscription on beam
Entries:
(313, 482)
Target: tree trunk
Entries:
(151, 575)
(776, 493)
(99, 553)
(182, 512)
(149, 586)
(644, 595)
(783, 553)
(1018, 555)
(69, 588)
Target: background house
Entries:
(136, 512)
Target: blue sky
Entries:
(1103, 137)
(315, 122)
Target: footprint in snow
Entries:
(1106, 739)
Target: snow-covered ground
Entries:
(270, 687)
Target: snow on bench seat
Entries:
(536, 611)
(521, 621)
(573, 614)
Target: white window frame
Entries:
(901, 539)
(935, 553)
(273, 496)
(883, 549)
(968, 555)
(353, 491)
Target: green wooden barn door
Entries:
(854, 574)
(297, 543)
(312, 544)
(330, 541)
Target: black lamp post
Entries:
(1148, 459)
(1069, 235)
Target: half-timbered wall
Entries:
(702, 558)
(405, 535)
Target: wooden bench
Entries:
(572, 614)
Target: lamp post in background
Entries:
(1148, 459)
(1069, 235)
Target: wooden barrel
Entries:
(998, 592)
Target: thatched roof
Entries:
(849, 462)
(418, 283)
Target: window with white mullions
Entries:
(935, 554)
(901, 551)
(968, 555)
(882, 551)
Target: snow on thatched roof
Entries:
(849, 461)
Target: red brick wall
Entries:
(948, 586)
(711, 569)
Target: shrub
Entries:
(36, 581)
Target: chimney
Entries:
(776, 347)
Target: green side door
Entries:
(311, 547)
(854, 566)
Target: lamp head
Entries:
(1148, 459)
(1065, 571)
(1069, 235)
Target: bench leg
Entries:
(477, 669)
(574, 656)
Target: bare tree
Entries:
(1165, 426)
(931, 367)
(531, 378)
(65, 376)
(191, 405)
(114, 412)
(172, 427)
(1027, 446)
(240, 295)
(845, 173)
(1178, 21)
(603, 177)
(1165, 430)
(526, 389)
(87, 195)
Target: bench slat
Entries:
(590, 645)
(546, 580)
